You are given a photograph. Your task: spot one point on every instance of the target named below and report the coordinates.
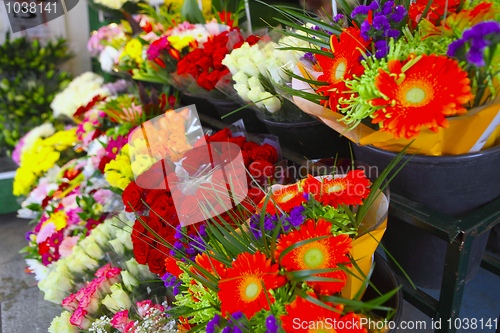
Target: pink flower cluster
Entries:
(85, 303)
(145, 309)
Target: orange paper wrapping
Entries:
(474, 131)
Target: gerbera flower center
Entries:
(250, 289)
(287, 197)
(340, 70)
(313, 257)
(415, 95)
(335, 188)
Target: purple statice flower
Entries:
(296, 218)
(393, 33)
(338, 17)
(382, 49)
(227, 329)
(360, 10)
(399, 14)
(381, 23)
(387, 8)
(203, 230)
(305, 195)
(178, 232)
(236, 329)
(176, 288)
(374, 5)
(117, 87)
(178, 246)
(210, 328)
(476, 39)
(310, 57)
(365, 28)
(169, 280)
(271, 324)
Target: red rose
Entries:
(238, 45)
(43, 248)
(256, 194)
(204, 82)
(249, 146)
(137, 231)
(182, 66)
(261, 171)
(195, 158)
(156, 262)
(141, 252)
(229, 156)
(221, 136)
(205, 63)
(152, 195)
(193, 70)
(154, 177)
(239, 140)
(247, 160)
(224, 73)
(195, 55)
(132, 198)
(252, 40)
(161, 205)
(105, 160)
(171, 217)
(265, 152)
(213, 77)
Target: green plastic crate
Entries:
(8, 201)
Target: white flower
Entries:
(107, 58)
(247, 66)
(89, 245)
(78, 261)
(272, 103)
(78, 93)
(242, 90)
(117, 246)
(132, 267)
(62, 324)
(42, 131)
(120, 297)
(128, 280)
(111, 304)
(240, 78)
(41, 271)
(231, 64)
(254, 82)
(124, 236)
(254, 96)
(274, 70)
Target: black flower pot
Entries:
(312, 139)
(225, 107)
(385, 280)
(454, 185)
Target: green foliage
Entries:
(29, 81)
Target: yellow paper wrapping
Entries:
(474, 131)
(364, 246)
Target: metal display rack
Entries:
(458, 233)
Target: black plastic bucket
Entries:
(455, 185)
(385, 280)
(252, 123)
(312, 139)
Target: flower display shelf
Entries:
(458, 233)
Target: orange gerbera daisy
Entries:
(304, 316)
(422, 94)
(209, 264)
(286, 198)
(321, 254)
(348, 190)
(172, 267)
(456, 23)
(435, 12)
(343, 67)
(242, 289)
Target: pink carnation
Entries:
(46, 231)
(113, 275)
(102, 271)
(78, 319)
(70, 303)
(101, 196)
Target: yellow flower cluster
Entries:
(40, 158)
(59, 218)
(119, 171)
(134, 50)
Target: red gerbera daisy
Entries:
(422, 94)
(286, 198)
(343, 67)
(242, 289)
(321, 254)
(348, 190)
(304, 316)
(209, 264)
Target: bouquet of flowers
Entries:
(289, 262)
(384, 75)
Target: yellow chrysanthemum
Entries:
(180, 43)
(119, 171)
(59, 218)
(40, 158)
